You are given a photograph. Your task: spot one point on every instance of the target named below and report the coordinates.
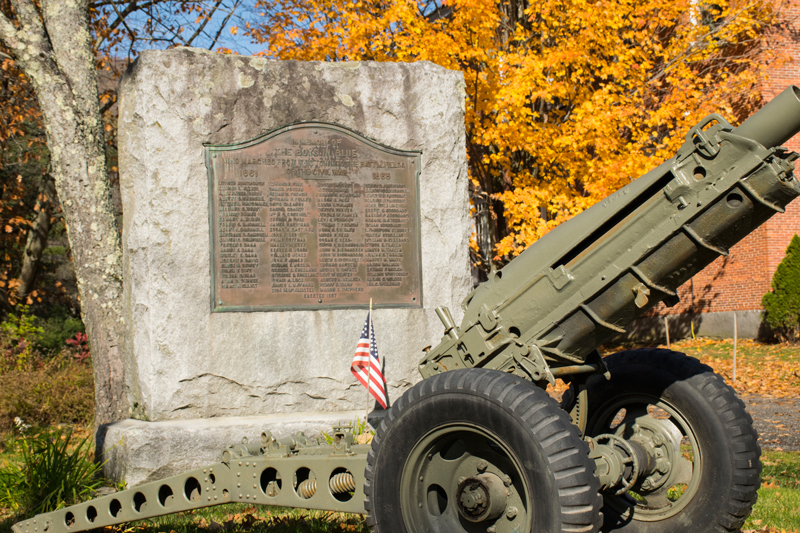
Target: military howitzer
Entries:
(654, 438)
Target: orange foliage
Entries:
(566, 100)
(21, 142)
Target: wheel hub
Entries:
(481, 497)
(662, 441)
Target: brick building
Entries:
(735, 284)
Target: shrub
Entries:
(782, 304)
(20, 334)
(56, 331)
(60, 392)
(55, 472)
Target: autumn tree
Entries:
(566, 100)
(23, 178)
(58, 46)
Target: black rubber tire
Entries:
(564, 495)
(728, 481)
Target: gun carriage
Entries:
(647, 441)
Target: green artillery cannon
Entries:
(646, 441)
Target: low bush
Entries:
(28, 342)
(56, 331)
(18, 335)
(62, 391)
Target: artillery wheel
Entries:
(479, 450)
(696, 428)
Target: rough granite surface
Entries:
(185, 362)
(141, 452)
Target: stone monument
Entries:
(265, 203)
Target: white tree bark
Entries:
(53, 47)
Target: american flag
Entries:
(366, 366)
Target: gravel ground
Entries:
(777, 421)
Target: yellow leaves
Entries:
(765, 369)
(565, 103)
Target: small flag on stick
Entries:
(366, 366)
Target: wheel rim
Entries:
(462, 477)
(669, 437)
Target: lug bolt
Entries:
(482, 465)
(511, 512)
(491, 529)
(507, 481)
(647, 484)
(658, 439)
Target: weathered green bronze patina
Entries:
(312, 216)
(479, 446)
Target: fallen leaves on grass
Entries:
(763, 369)
(769, 530)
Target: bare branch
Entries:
(124, 22)
(120, 17)
(203, 25)
(108, 105)
(224, 23)
(105, 3)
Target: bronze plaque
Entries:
(313, 216)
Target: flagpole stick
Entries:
(369, 360)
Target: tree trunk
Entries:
(37, 237)
(54, 51)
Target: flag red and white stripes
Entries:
(366, 366)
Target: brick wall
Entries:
(737, 282)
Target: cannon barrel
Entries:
(776, 122)
(585, 281)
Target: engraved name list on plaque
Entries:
(312, 216)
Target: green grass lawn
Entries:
(779, 497)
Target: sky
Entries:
(165, 36)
